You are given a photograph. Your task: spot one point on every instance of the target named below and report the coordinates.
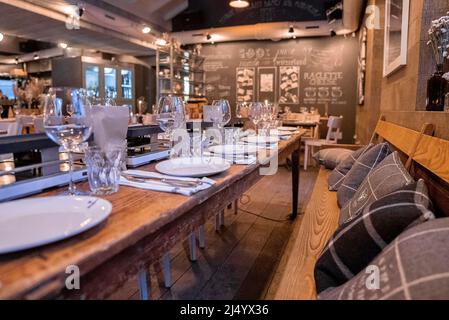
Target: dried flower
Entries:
(439, 38)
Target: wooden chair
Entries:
(334, 133)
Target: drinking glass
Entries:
(65, 129)
(222, 111)
(256, 110)
(170, 114)
(104, 169)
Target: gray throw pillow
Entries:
(389, 176)
(415, 266)
(338, 175)
(331, 158)
(360, 170)
(356, 243)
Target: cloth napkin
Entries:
(110, 126)
(163, 187)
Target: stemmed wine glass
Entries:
(67, 121)
(256, 110)
(242, 110)
(222, 113)
(170, 114)
(17, 108)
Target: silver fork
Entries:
(172, 182)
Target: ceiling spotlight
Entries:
(36, 56)
(239, 4)
(161, 42)
(333, 33)
(146, 29)
(81, 10)
(208, 37)
(1, 36)
(63, 45)
(291, 30)
(16, 59)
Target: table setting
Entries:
(96, 137)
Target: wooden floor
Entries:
(243, 260)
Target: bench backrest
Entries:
(426, 157)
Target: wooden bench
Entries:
(425, 157)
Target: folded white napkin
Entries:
(236, 159)
(163, 187)
(110, 125)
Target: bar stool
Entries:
(334, 134)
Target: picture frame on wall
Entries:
(396, 35)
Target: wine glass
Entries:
(170, 114)
(242, 110)
(222, 113)
(67, 129)
(255, 113)
(17, 108)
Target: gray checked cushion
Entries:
(331, 158)
(338, 175)
(359, 171)
(415, 266)
(356, 243)
(389, 176)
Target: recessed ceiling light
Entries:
(146, 29)
(36, 57)
(63, 45)
(161, 42)
(1, 36)
(239, 4)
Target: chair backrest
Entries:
(334, 132)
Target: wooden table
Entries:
(143, 226)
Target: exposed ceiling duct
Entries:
(352, 13)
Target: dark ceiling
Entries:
(203, 14)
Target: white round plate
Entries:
(238, 149)
(30, 223)
(195, 167)
(261, 140)
(292, 129)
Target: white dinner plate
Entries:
(30, 223)
(233, 150)
(195, 167)
(260, 140)
(292, 129)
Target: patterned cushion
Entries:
(331, 158)
(356, 243)
(338, 175)
(389, 176)
(361, 168)
(414, 267)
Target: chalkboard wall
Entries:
(302, 72)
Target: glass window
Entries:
(93, 80)
(127, 84)
(110, 82)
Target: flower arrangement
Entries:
(439, 39)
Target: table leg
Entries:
(295, 181)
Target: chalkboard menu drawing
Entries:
(267, 84)
(323, 87)
(245, 84)
(289, 85)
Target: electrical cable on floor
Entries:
(247, 201)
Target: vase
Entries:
(437, 87)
